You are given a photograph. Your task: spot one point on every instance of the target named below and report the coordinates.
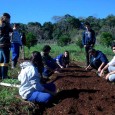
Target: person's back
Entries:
(16, 37)
(31, 88)
(29, 78)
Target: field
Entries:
(80, 92)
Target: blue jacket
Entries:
(88, 37)
(100, 57)
(59, 57)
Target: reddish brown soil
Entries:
(80, 93)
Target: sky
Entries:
(24, 11)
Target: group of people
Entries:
(96, 59)
(10, 40)
(40, 66)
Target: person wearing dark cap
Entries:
(5, 30)
(88, 40)
(98, 60)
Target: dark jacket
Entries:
(4, 35)
(88, 37)
(99, 57)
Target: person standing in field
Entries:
(88, 40)
(63, 60)
(15, 44)
(5, 30)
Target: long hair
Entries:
(66, 60)
(36, 60)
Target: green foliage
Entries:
(106, 39)
(63, 40)
(30, 40)
(79, 43)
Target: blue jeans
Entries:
(43, 97)
(4, 59)
(15, 48)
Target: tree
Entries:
(63, 40)
(106, 39)
(30, 40)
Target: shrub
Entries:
(63, 40)
(106, 39)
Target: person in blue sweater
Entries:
(15, 44)
(63, 60)
(98, 60)
(31, 88)
(88, 40)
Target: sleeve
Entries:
(112, 62)
(83, 38)
(22, 76)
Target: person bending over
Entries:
(98, 60)
(63, 60)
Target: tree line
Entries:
(68, 29)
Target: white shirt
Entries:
(30, 80)
(112, 62)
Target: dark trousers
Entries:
(4, 60)
(87, 54)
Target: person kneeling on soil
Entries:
(50, 66)
(31, 89)
(110, 67)
(63, 60)
(98, 60)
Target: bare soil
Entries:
(80, 92)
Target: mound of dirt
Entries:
(82, 93)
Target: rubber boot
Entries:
(4, 71)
